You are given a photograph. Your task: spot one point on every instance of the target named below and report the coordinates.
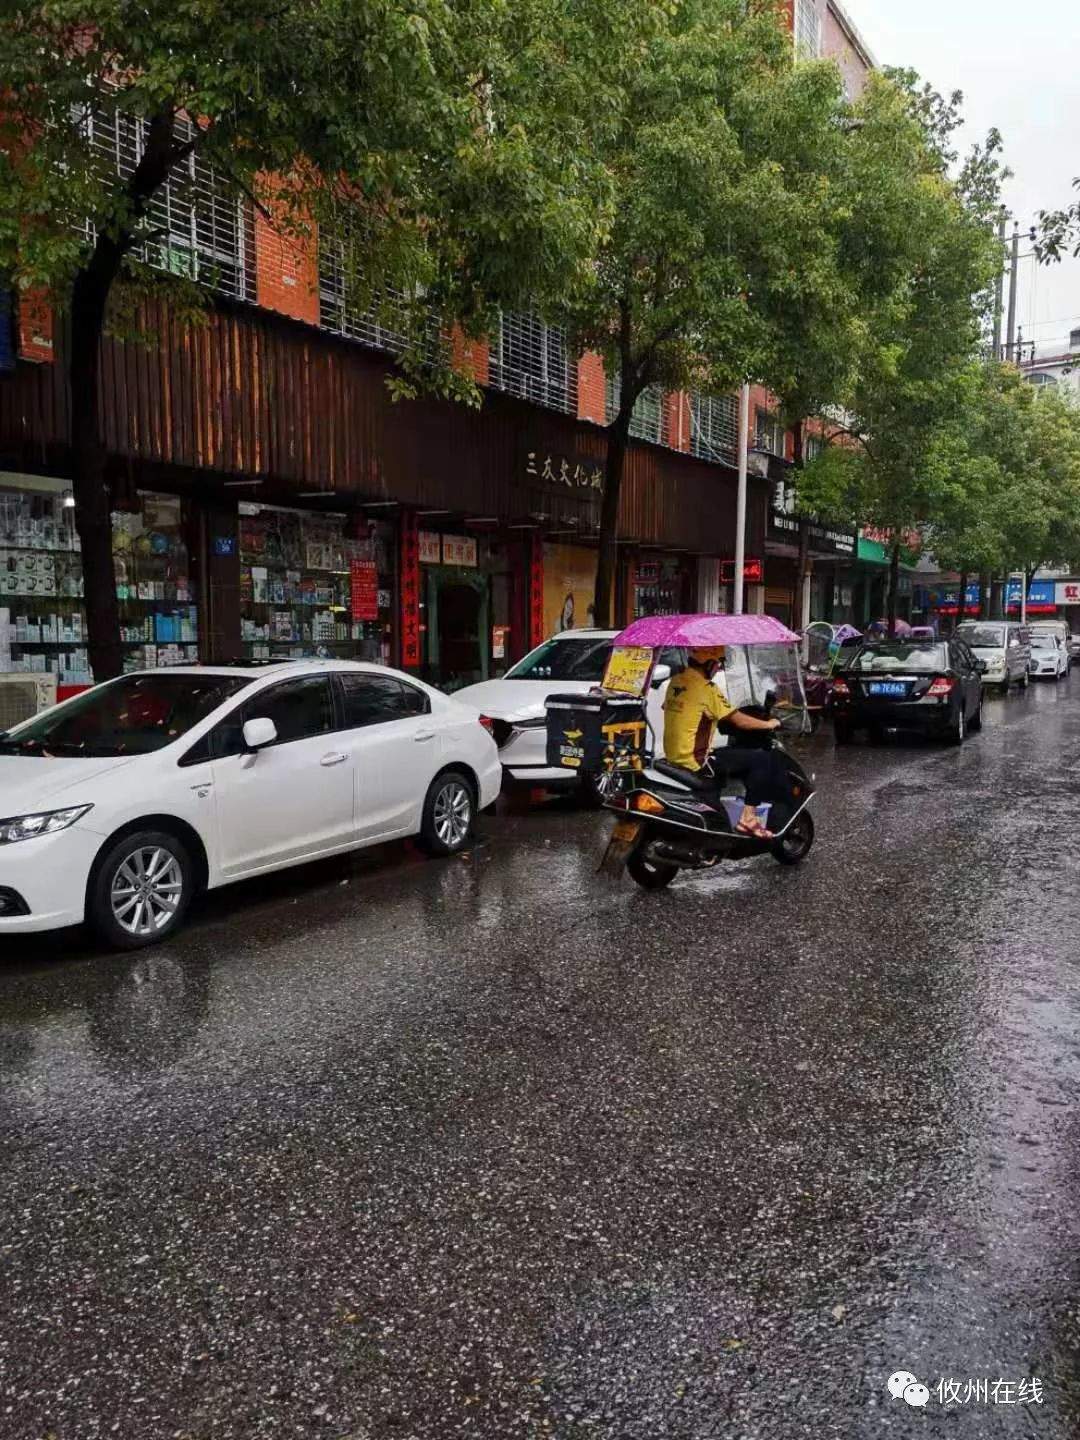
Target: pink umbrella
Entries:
(705, 631)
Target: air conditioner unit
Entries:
(22, 696)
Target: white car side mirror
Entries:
(259, 733)
(660, 674)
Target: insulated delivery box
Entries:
(597, 732)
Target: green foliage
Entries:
(428, 119)
(1059, 231)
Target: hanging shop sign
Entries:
(833, 539)
(459, 550)
(1042, 597)
(753, 572)
(536, 590)
(1067, 592)
(410, 594)
(429, 545)
(364, 590)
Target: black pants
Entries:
(763, 772)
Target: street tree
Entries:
(1059, 231)
(425, 122)
(893, 463)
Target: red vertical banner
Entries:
(409, 593)
(536, 590)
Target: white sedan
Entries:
(1049, 657)
(123, 802)
(572, 662)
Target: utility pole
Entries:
(999, 297)
(740, 503)
(1010, 345)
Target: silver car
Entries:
(1005, 649)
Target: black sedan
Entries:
(931, 686)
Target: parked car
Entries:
(125, 801)
(513, 707)
(1058, 628)
(1005, 647)
(1049, 657)
(931, 686)
(1074, 648)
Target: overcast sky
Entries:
(1019, 68)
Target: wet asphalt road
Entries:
(400, 1150)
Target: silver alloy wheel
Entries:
(452, 813)
(146, 891)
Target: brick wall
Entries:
(470, 357)
(35, 327)
(677, 420)
(286, 265)
(591, 395)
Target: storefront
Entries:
(42, 614)
(473, 602)
(315, 584)
(830, 553)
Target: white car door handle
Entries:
(424, 735)
(334, 759)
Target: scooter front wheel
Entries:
(794, 845)
(650, 874)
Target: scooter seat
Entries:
(690, 778)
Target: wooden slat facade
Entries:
(250, 395)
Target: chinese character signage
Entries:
(563, 471)
(1068, 592)
(536, 590)
(410, 594)
(459, 550)
(628, 669)
(753, 572)
(429, 544)
(364, 590)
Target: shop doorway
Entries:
(457, 627)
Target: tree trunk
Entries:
(894, 585)
(89, 300)
(617, 435)
(93, 511)
(803, 564)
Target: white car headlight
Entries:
(25, 827)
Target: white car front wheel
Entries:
(141, 890)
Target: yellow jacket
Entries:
(691, 712)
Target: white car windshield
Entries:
(983, 637)
(1043, 641)
(130, 716)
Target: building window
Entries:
(768, 433)
(807, 30)
(202, 229)
(382, 320)
(531, 359)
(812, 448)
(714, 426)
(647, 420)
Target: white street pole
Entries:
(1023, 597)
(740, 503)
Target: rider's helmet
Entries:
(708, 659)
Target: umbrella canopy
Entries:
(704, 631)
(844, 633)
(881, 627)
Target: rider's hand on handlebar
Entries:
(775, 724)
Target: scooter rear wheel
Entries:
(650, 874)
(795, 844)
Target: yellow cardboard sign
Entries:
(628, 669)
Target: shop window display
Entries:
(42, 625)
(42, 615)
(154, 586)
(315, 584)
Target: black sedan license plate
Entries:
(888, 687)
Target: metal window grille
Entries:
(714, 426)
(768, 433)
(807, 30)
(382, 322)
(531, 359)
(200, 227)
(812, 447)
(647, 420)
